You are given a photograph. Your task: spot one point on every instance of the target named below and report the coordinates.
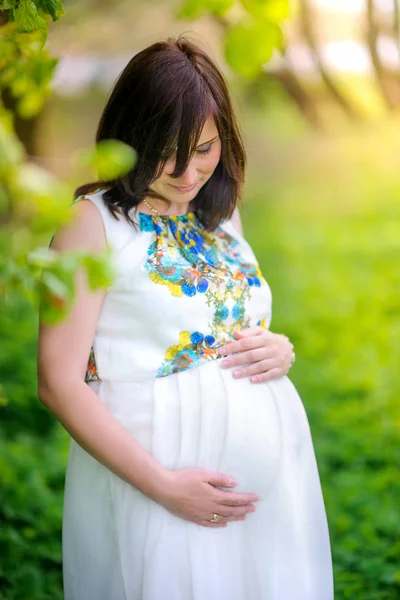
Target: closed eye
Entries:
(205, 150)
(202, 151)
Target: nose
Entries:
(188, 178)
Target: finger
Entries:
(209, 524)
(231, 511)
(217, 479)
(249, 356)
(236, 499)
(241, 510)
(287, 339)
(256, 330)
(232, 518)
(271, 374)
(262, 366)
(246, 343)
(240, 518)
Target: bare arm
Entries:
(63, 352)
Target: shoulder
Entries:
(236, 221)
(84, 230)
(233, 226)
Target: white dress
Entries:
(178, 295)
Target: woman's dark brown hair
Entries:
(159, 105)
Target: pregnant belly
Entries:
(203, 417)
(253, 447)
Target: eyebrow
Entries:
(209, 141)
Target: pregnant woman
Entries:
(183, 481)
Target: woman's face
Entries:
(199, 170)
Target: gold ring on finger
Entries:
(215, 518)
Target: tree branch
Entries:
(372, 42)
(306, 19)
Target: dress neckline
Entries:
(184, 217)
(142, 215)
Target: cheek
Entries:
(211, 160)
(164, 177)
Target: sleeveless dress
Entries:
(178, 295)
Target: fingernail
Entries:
(237, 373)
(225, 364)
(222, 351)
(232, 481)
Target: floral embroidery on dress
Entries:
(189, 260)
(186, 353)
(262, 323)
(91, 369)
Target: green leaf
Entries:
(30, 104)
(11, 149)
(7, 4)
(30, 75)
(7, 54)
(56, 288)
(40, 201)
(52, 7)
(271, 10)
(193, 9)
(3, 397)
(100, 269)
(27, 17)
(4, 200)
(110, 158)
(55, 285)
(250, 44)
(220, 7)
(42, 257)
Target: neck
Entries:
(175, 208)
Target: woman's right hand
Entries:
(190, 493)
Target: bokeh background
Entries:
(321, 210)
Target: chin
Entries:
(182, 198)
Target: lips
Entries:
(184, 189)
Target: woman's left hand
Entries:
(270, 354)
